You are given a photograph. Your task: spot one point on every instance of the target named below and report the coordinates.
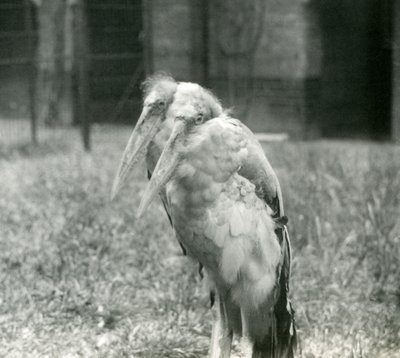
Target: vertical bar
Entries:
(205, 15)
(147, 11)
(82, 35)
(32, 70)
(199, 41)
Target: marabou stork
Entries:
(163, 98)
(226, 207)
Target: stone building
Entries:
(304, 67)
(320, 67)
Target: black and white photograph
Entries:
(200, 178)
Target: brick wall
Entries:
(285, 68)
(171, 37)
(281, 51)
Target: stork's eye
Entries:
(199, 119)
(161, 103)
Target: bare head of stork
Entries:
(164, 100)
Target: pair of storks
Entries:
(224, 203)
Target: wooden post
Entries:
(81, 98)
(65, 105)
(147, 39)
(395, 130)
(205, 15)
(50, 47)
(311, 110)
(32, 70)
(199, 10)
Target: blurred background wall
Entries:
(309, 68)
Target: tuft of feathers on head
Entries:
(159, 79)
(214, 103)
(202, 99)
(164, 86)
(228, 112)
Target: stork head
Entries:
(164, 101)
(192, 100)
(158, 94)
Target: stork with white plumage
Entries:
(226, 207)
(163, 99)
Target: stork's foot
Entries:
(221, 341)
(246, 347)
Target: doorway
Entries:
(380, 68)
(116, 67)
(356, 68)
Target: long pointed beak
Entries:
(145, 130)
(165, 168)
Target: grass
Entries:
(81, 277)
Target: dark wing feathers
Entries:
(258, 171)
(286, 336)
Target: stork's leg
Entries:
(245, 343)
(222, 333)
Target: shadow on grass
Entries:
(24, 150)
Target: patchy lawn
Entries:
(81, 277)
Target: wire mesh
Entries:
(114, 65)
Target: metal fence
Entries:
(19, 66)
(108, 67)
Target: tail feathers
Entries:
(260, 351)
(286, 337)
(281, 338)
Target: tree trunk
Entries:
(81, 83)
(54, 61)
